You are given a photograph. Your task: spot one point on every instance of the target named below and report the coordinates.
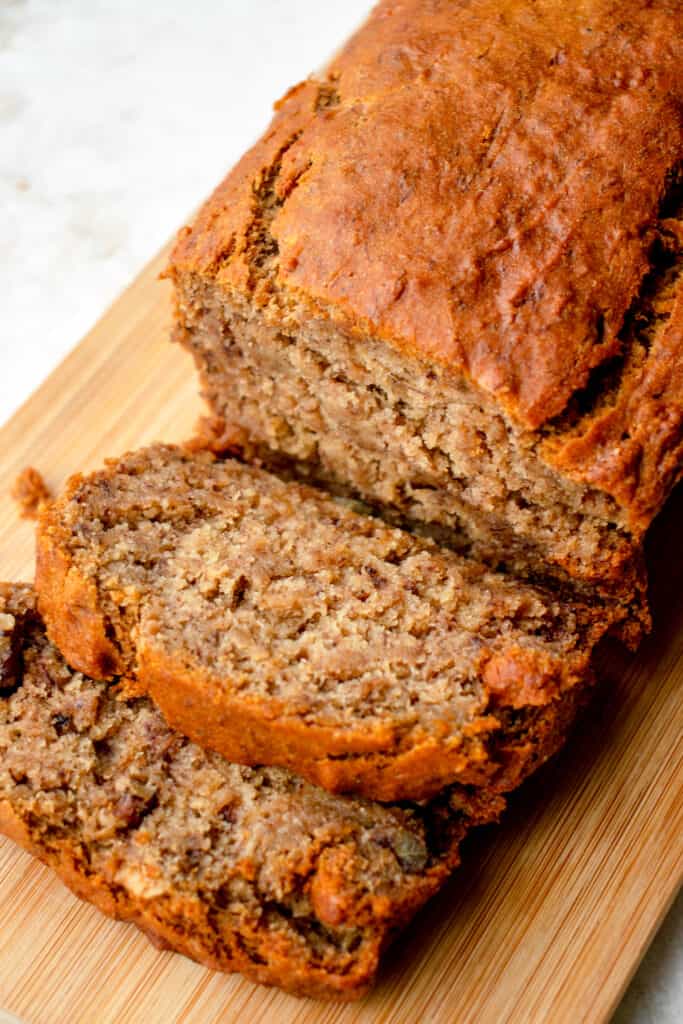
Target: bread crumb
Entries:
(214, 434)
(31, 493)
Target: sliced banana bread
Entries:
(250, 870)
(448, 278)
(276, 625)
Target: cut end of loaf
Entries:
(419, 446)
(500, 363)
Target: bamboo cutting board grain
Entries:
(550, 913)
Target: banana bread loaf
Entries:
(276, 625)
(447, 279)
(250, 870)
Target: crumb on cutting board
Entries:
(31, 493)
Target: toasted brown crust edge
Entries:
(69, 605)
(249, 733)
(246, 733)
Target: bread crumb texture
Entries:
(278, 625)
(243, 869)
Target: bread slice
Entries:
(276, 625)
(448, 279)
(250, 870)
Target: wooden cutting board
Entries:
(551, 911)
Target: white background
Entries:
(116, 119)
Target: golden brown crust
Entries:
(370, 761)
(633, 450)
(13, 827)
(69, 604)
(400, 212)
(377, 763)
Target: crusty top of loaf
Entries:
(476, 181)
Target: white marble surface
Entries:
(116, 118)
